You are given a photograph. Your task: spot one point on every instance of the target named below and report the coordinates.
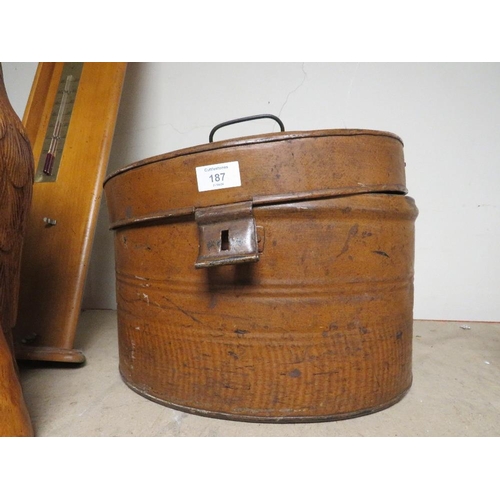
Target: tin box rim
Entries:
(249, 140)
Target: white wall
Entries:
(447, 114)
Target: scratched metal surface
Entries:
(319, 328)
(455, 392)
(314, 323)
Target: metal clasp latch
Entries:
(227, 235)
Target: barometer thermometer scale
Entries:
(60, 118)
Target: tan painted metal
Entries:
(316, 326)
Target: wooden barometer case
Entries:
(70, 119)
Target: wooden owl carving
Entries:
(14, 416)
(16, 187)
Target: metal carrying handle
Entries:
(244, 119)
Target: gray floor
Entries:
(456, 392)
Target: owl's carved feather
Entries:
(16, 186)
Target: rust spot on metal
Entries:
(331, 328)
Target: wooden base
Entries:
(52, 354)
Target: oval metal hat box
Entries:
(267, 278)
